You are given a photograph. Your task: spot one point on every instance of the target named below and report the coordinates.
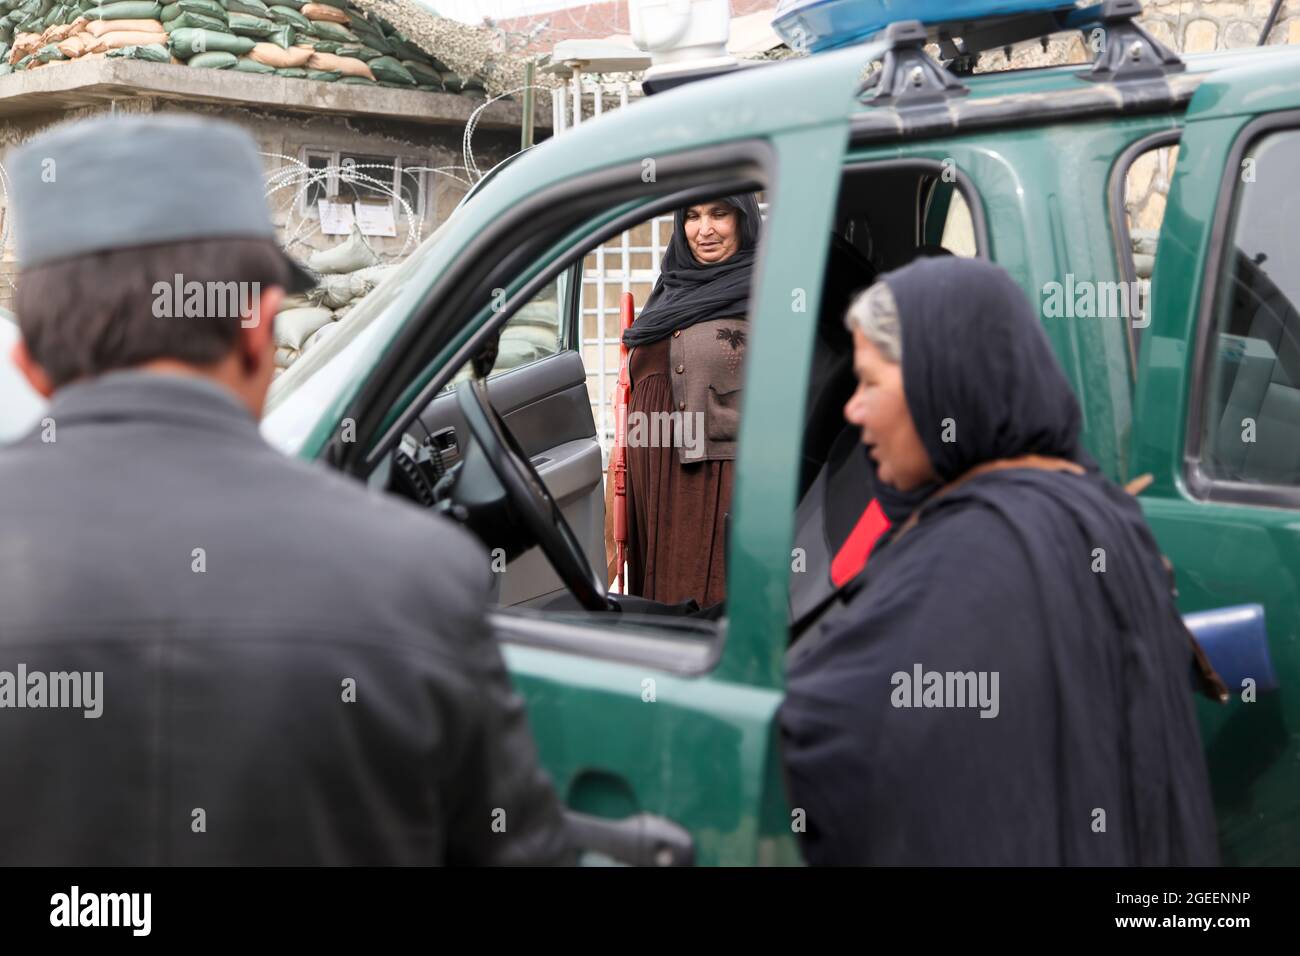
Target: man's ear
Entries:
(257, 328)
(31, 369)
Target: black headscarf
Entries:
(1094, 756)
(690, 291)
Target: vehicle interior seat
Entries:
(1259, 367)
(830, 380)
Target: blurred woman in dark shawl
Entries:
(1009, 681)
(686, 359)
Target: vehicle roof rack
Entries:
(908, 76)
(1127, 51)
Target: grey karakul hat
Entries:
(119, 182)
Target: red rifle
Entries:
(622, 398)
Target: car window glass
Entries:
(534, 332)
(959, 229)
(1252, 420)
(1145, 188)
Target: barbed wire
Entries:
(297, 178)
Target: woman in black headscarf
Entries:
(1009, 681)
(686, 358)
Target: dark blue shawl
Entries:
(1094, 756)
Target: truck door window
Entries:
(1139, 191)
(1251, 430)
(536, 331)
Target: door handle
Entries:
(640, 840)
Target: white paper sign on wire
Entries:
(336, 218)
(376, 219)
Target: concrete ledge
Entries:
(97, 81)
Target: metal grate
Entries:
(627, 263)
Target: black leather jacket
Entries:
(292, 670)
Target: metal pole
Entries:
(530, 97)
(559, 110)
(1268, 24)
(577, 94)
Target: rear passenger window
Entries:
(1143, 190)
(959, 229)
(1252, 415)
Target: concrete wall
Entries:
(284, 136)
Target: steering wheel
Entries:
(530, 497)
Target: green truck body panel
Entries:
(704, 752)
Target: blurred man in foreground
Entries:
(210, 654)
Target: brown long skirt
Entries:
(676, 512)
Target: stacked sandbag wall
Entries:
(348, 273)
(328, 40)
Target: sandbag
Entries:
(290, 16)
(388, 70)
(363, 281)
(61, 31)
(319, 11)
(284, 357)
(153, 52)
(209, 8)
(326, 30)
(294, 326)
(334, 292)
(404, 49)
(244, 24)
(282, 36)
(349, 255)
(247, 65)
(121, 38)
(274, 56)
(126, 10)
(24, 43)
(292, 72)
(358, 80)
(216, 60)
(187, 42)
(324, 76)
(422, 73)
(358, 50)
(197, 21)
(255, 8)
(49, 52)
(98, 28)
(371, 38)
(75, 46)
(344, 65)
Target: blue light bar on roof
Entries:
(815, 25)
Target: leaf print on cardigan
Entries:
(736, 339)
